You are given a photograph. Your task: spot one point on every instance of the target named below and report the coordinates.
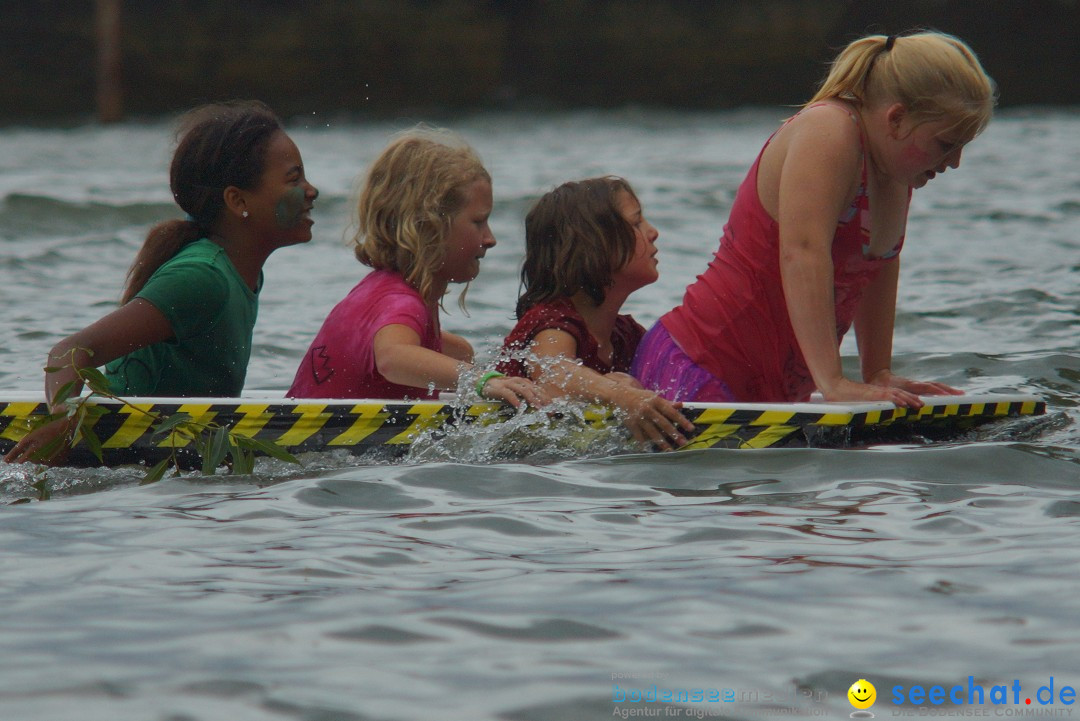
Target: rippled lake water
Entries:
(772, 579)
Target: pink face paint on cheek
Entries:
(912, 153)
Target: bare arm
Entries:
(875, 319)
(132, 326)
(457, 347)
(819, 171)
(648, 416)
(401, 359)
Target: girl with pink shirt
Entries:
(812, 244)
(423, 224)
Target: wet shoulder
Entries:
(827, 127)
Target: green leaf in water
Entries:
(156, 473)
(268, 448)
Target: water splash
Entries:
(564, 429)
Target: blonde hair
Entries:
(933, 75)
(408, 202)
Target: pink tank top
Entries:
(733, 321)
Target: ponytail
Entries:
(848, 72)
(162, 242)
(934, 75)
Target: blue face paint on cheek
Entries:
(290, 207)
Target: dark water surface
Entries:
(544, 589)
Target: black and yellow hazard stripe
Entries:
(127, 431)
(719, 427)
(127, 434)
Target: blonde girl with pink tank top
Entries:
(812, 244)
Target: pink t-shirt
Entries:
(341, 360)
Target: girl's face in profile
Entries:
(641, 270)
(928, 149)
(281, 204)
(470, 236)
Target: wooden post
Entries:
(110, 92)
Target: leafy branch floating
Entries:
(216, 444)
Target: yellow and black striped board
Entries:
(388, 427)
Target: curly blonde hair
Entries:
(408, 202)
(934, 75)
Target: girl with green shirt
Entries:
(185, 319)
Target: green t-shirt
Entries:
(212, 313)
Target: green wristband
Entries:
(484, 379)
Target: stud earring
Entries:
(245, 214)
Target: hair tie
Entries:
(889, 42)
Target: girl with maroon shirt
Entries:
(587, 248)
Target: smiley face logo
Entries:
(862, 694)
